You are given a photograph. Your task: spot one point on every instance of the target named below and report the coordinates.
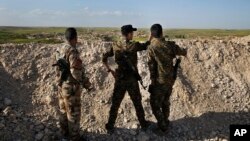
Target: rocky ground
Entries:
(210, 93)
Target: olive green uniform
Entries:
(125, 80)
(160, 61)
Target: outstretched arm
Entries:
(143, 46)
(179, 50)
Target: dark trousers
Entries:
(120, 88)
(160, 103)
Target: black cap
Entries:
(127, 29)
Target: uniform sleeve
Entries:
(108, 54)
(57, 71)
(152, 64)
(75, 65)
(141, 46)
(179, 50)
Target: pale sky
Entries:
(226, 14)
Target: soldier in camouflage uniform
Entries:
(70, 89)
(124, 79)
(160, 61)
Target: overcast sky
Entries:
(226, 14)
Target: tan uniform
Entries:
(69, 94)
(160, 61)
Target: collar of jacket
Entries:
(159, 39)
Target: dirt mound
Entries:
(211, 92)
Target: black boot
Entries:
(110, 128)
(145, 125)
(164, 126)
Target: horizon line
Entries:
(175, 28)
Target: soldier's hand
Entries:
(113, 73)
(87, 85)
(150, 37)
(186, 52)
(90, 89)
(153, 82)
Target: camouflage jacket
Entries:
(160, 60)
(130, 47)
(72, 56)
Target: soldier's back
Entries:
(122, 47)
(164, 54)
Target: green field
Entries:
(194, 33)
(29, 34)
(20, 35)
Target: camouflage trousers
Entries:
(132, 87)
(70, 110)
(160, 103)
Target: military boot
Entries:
(110, 128)
(145, 125)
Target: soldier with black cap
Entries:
(125, 51)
